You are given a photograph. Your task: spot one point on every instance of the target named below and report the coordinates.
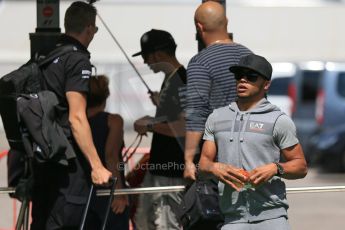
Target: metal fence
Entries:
(23, 217)
(166, 189)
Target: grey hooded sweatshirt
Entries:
(249, 139)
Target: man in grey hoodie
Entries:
(244, 143)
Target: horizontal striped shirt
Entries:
(210, 84)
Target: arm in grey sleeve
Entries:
(284, 132)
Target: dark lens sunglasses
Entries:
(250, 76)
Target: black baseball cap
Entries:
(154, 40)
(255, 63)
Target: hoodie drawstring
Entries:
(244, 127)
(233, 123)
(233, 127)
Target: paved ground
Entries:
(316, 211)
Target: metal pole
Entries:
(179, 188)
(125, 54)
(129, 191)
(7, 190)
(166, 189)
(320, 189)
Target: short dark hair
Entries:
(99, 90)
(78, 16)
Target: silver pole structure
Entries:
(129, 191)
(179, 188)
(7, 190)
(125, 54)
(316, 189)
(165, 189)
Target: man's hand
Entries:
(140, 125)
(189, 171)
(119, 204)
(230, 175)
(155, 98)
(262, 174)
(191, 146)
(100, 176)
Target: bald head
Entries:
(211, 16)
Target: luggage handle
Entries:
(110, 200)
(112, 181)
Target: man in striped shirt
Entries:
(210, 85)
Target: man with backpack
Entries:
(60, 192)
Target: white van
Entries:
(282, 91)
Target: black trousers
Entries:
(60, 194)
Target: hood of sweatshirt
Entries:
(263, 106)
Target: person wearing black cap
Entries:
(155, 211)
(249, 137)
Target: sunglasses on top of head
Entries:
(249, 76)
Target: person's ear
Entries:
(267, 85)
(89, 29)
(199, 27)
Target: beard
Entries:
(201, 44)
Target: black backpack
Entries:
(24, 81)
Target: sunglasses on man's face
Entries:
(249, 76)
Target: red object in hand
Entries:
(244, 173)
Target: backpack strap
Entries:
(57, 52)
(50, 57)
